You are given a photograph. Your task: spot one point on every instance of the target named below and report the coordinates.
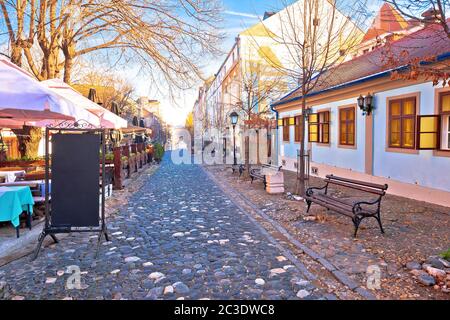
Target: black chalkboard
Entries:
(75, 180)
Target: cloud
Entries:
(241, 14)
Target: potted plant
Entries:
(158, 152)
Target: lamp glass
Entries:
(368, 100)
(234, 118)
(361, 102)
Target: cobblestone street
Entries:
(179, 237)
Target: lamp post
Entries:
(234, 119)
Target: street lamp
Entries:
(366, 104)
(234, 119)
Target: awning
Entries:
(23, 98)
(107, 118)
(134, 129)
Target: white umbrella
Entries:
(107, 118)
(25, 99)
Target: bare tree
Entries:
(433, 15)
(425, 11)
(168, 37)
(261, 84)
(110, 87)
(316, 36)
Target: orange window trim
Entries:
(402, 118)
(347, 124)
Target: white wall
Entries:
(333, 154)
(424, 168)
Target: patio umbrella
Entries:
(25, 99)
(108, 119)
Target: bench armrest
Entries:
(310, 190)
(369, 203)
(358, 206)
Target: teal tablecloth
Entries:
(13, 201)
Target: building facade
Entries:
(258, 47)
(403, 142)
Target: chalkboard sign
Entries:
(75, 180)
(75, 203)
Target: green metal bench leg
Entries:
(379, 223)
(356, 222)
(29, 219)
(309, 205)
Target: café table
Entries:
(14, 201)
(10, 176)
(35, 185)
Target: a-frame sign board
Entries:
(77, 202)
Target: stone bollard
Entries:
(275, 182)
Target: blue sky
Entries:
(238, 15)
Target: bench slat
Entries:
(356, 187)
(363, 183)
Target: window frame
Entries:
(286, 129)
(340, 126)
(297, 128)
(444, 135)
(402, 117)
(438, 94)
(320, 126)
(445, 132)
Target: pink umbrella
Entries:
(26, 99)
(107, 118)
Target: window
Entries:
(444, 110)
(298, 128)
(402, 123)
(347, 126)
(319, 127)
(286, 129)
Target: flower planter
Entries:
(23, 163)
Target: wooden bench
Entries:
(257, 173)
(357, 211)
(239, 168)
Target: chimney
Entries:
(431, 16)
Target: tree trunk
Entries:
(68, 64)
(301, 185)
(29, 138)
(247, 155)
(16, 55)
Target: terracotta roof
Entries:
(388, 20)
(428, 42)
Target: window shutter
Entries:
(313, 127)
(313, 118)
(291, 121)
(428, 132)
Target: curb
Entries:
(341, 276)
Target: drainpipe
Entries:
(276, 135)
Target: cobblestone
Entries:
(178, 237)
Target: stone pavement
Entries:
(178, 237)
(414, 231)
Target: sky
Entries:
(238, 15)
